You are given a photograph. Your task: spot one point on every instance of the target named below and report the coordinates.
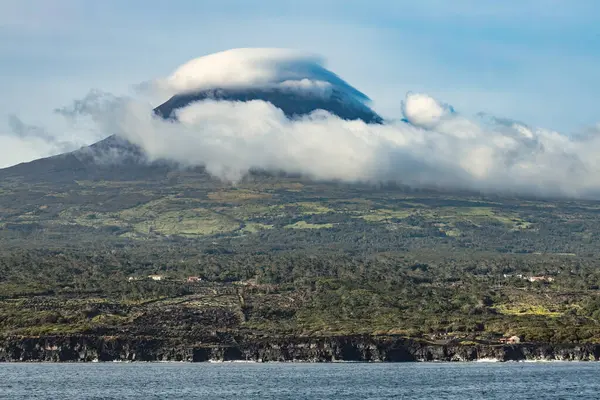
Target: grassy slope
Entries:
(319, 258)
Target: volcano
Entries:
(117, 158)
(295, 84)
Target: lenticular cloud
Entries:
(433, 145)
(248, 68)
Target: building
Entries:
(540, 279)
(156, 277)
(531, 278)
(510, 340)
(193, 279)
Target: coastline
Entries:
(88, 348)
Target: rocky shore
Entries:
(302, 349)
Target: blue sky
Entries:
(532, 60)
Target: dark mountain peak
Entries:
(292, 103)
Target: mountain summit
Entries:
(292, 81)
(293, 104)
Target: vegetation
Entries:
(286, 256)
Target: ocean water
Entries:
(300, 381)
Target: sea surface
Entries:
(301, 381)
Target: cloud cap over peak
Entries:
(246, 68)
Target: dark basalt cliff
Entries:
(325, 349)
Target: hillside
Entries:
(101, 245)
(279, 255)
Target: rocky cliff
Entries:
(355, 348)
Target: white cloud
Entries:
(240, 68)
(256, 67)
(308, 87)
(230, 138)
(437, 147)
(424, 111)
